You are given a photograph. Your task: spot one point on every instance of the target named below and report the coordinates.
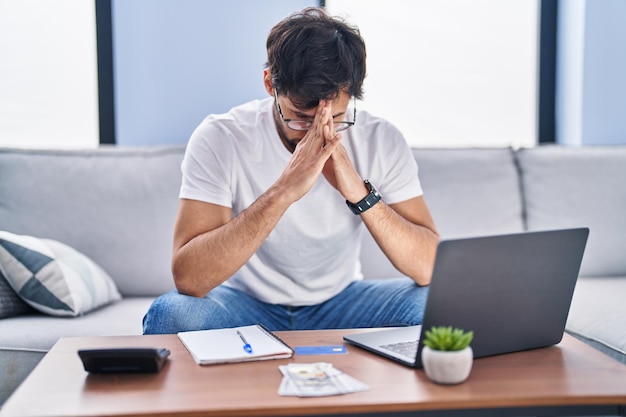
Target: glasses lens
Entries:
(299, 124)
(340, 126)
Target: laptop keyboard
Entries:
(408, 349)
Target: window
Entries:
(451, 72)
(48, 74)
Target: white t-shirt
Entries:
(313, 252)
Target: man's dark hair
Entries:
(313, 56)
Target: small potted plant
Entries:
(447, 355)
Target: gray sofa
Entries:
(117, 206)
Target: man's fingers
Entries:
(319, 119)
(331, 144)
(330, 124)
(322, 129)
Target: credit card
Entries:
(321, 350)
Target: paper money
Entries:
(316, 380)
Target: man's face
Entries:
(291, 137)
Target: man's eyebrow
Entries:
(302, 115)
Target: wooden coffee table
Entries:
(570, 378)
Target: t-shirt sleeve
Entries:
(400, 180)
(205, 176)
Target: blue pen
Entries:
(246, 345)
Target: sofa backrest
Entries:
(116, 205)
(569, 186)
(470, 192)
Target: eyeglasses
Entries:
(306, 124)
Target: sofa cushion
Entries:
(10, 303)
(471, 192)
(117, 205)
(598, 312)
(118, 319)
(52, 277)
(580, 186)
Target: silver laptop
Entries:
(513, 291)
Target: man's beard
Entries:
(290, 144)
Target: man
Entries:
(277, 192)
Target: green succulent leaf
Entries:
(447, 338)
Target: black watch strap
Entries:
(368, 202)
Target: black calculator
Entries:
(123, 360)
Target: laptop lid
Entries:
(513, 291)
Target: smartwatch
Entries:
(368, 202)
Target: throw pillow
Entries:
(10, 303)
(53, 277)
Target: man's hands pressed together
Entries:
(311, 154)
(322, 145)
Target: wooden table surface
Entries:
(570, 374)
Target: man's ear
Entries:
(267, 81)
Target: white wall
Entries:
(48, 74)
(451, 72)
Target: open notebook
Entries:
(238, 344)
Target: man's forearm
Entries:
(410, 247)
(212, 257)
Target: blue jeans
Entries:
(369, 303)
